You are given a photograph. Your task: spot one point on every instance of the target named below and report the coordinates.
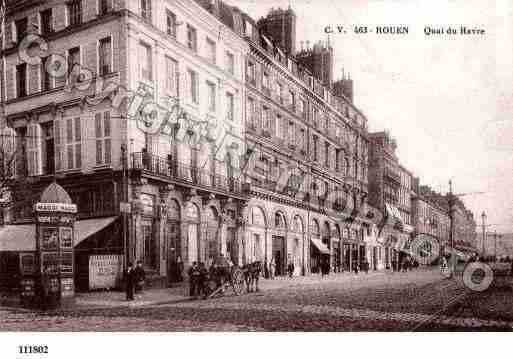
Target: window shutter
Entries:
(34, 149)
(98, 135)
(9, 152)
(78, 142)
(57, 131)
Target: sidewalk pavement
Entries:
(180, 294)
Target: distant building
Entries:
(319, 61)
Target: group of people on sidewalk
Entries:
(134, 279)
(199, 275)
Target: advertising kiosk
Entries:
(51, 284)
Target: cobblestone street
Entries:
(377, 301)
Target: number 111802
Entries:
(33, 349)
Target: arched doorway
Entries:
(174, 245)
(212, 235)
(192, 215)
(279, 253)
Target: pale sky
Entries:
(447, 99)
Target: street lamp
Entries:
(483, 217)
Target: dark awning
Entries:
(320, 246)
(22, 237)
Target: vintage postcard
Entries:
(255, 166)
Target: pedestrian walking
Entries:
(129, 281)
(194, 276)
(272, 269)
(179, 269)
(290, 269)
(266, 270)
(139, 277)
(203, 280)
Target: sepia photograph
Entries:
(255, 166)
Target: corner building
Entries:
(155, 196)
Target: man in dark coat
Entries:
(194, 279)
(130, 281)
(139, 277)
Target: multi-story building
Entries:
(390, 193)
(309, 156)
(429, 218)
(464, 225)
(94, 126)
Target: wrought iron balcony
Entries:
(186, 174)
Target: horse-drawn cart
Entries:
(239, 279)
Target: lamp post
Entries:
(483, 217)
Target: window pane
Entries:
(98, 125)
(78, 134)
(70, 156)
(107, 151)
(98, 152)
(78, 155)
(69, 130)
(106, 123)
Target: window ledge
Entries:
(102, 167)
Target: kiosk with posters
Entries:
(52, 279)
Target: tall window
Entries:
(46, 22)
(265, 80)
(230, 107)
(192, 38)
(278, 129)
(302, 139)
(279, 90)
(105, 56)
(337, 160)
(315, 145)
(34, 149)
(211, 50)
(326, 154)
(46, 79)
(230, 63)
(171, 23)
(145, 62)
(21, 80)
(292, 99)
(251, 112)
(171, 74)
(266, 118)
(73, 143)
(193, 86)
(74, 12)
(73, 58)
(146, 9)
(251, 73)
(21, 29)
(104, 6)
(103, 137)
(291, 133)
(211, 93)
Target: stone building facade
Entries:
(145, 126)
(390, 193)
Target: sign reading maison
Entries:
(55, 207)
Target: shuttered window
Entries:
(103, 138)
(34, 149)
(73, 143)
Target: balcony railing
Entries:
(394, 177)
(184, 173)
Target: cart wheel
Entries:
(238, 282)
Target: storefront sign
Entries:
(56, 207)
(105, 271)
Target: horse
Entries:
(252, 274)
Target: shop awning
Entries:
(22, 237)
(320, 246)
